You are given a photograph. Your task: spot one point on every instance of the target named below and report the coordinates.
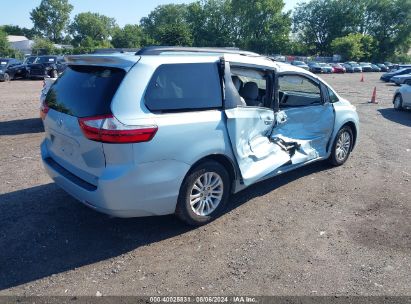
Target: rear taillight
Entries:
(108, 129)
(44, 109)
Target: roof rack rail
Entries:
(115, 50)
(158, 50)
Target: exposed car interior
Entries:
(251, 85)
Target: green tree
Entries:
(211, 23)
(167, 25)
(5, 48)
(51, 18)
(318, 22)
(389, 24)
(261, 25)
(92, 29)
(130, 36)
(43, 46)
(19, 31)
(349, 47)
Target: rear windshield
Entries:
(84, 91)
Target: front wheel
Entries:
(398, 102)
(203, 194)
(342, 146)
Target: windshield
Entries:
(29, 60)
(299, 63)
(324, 65)
(45, 60)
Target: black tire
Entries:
(54, 74)
(335, 159)
(6, 77)
(398, 105)
(184, 210)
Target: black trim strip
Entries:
(70, 176)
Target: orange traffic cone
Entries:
(374, 96)
(362, 77)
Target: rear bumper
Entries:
(142, 190)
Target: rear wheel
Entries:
(54, 74)
(6, 77)
(398, 102)
(342, 146)
(203, 194)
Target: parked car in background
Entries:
(300, 64)
(402, 96)
(315, 67)
(387, 76)
(389, 65)
(338, 68)
(117, 128)
(383, 67)
(326, 68)
(352, 67)
(23, 66)
(400, 79)
(366, 66)
(8, 70)
(47, 65)
(375, 68)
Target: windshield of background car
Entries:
(29, 60)
(45, 60)
(299, 63)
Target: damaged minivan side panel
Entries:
(249, 128)
(305, 118)
(265, 141)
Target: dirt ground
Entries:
(316, 231)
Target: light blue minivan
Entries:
(177, 130)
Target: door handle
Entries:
(268, 121)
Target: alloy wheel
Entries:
(343, 145)
(206, 193)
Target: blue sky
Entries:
(124, 11)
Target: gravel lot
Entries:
(316, 231)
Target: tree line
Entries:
(356, 29)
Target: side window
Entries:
(332, 96)
(251, 85)
(184, 86)
(298, 91)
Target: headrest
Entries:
(249, 91)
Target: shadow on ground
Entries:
(400, 117)
(44, 231)
(21, 126)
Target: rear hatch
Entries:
(80, 92)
